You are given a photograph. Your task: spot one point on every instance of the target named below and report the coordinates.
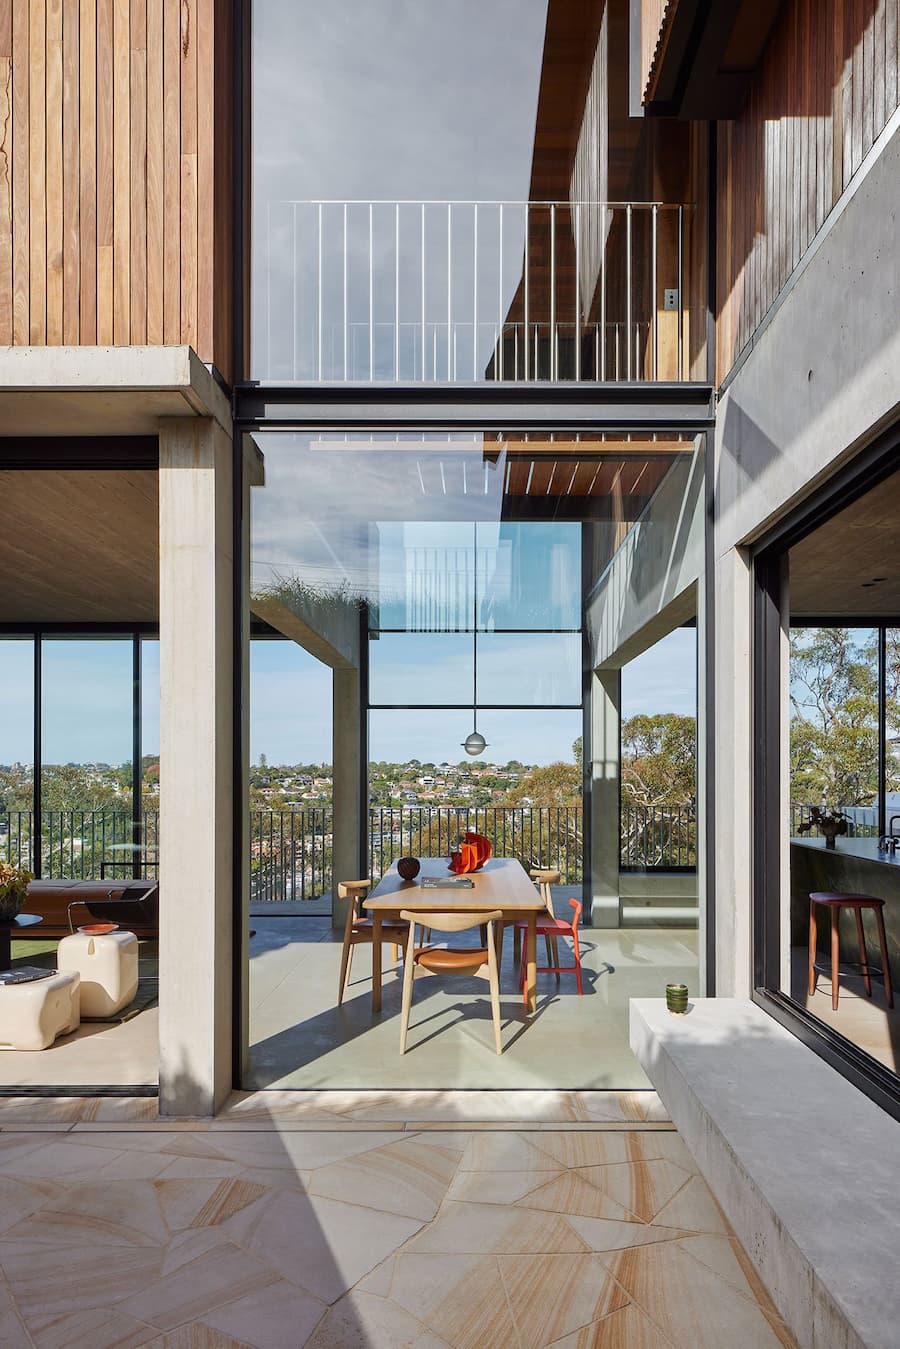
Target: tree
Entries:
(659, 760)
(555, 784)
(834, 715)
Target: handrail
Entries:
(291, 851)
(397, 290)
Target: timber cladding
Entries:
(826, 88)
(115, 174)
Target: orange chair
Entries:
(544, 878)
(553, 928)
(358, 930)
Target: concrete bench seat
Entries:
(803, 1164)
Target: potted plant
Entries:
(13, 890)
(829, 822)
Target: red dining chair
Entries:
(552, 928)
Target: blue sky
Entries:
(87, 706)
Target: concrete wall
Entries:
(819, 382)
(648, 588)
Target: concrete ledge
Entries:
(47, 391)
(804, 1166)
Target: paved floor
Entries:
(299, 1037)
(302, 1220)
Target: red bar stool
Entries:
(834, 902)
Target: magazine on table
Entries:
(25, 974)
(447, 883)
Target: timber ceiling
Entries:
(79, 546)
(850, 566)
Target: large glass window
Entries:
(87, 737)
(16, 748)
(659, 755)
(443, 578)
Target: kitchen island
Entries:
(857, 866)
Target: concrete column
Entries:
(196, 765)
(348, 773)
(606, 698)
(733, 785)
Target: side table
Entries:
(6, 930)
(108, 966)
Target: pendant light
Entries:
(475, 742)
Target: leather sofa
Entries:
(65, 905)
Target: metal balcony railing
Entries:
(291, 850)
(402, 291)
(662, 838)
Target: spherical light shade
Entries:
(475, 743)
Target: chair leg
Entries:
(347, 952)
(409, 965)
(395, 952)
(494, 977)
(578, 982)
(498, 945)
(885, 959)
(835, 955)
(863, 954)
(813, 973)
(554, 948)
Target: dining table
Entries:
(502, 883)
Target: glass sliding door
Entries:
(828, 897)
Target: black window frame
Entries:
(870, 466)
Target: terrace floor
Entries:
(300, 1038)
(367, 1221)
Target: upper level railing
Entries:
(402, 291)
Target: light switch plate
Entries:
(670, 298)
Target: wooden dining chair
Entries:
(358, 930)
(451, 960)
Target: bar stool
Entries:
(358, 929)
(834, 902)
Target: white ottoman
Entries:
(32, 1015)
(108, 966)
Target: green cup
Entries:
(677, 997)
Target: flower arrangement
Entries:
(13, 889)
(829, 822)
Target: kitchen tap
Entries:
(890, 842)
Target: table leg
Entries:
(531, 973)
(376, 961)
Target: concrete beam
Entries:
(104, 391)
(649, 586)
(328, 631)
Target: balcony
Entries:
(291, 850)
(447, 292)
